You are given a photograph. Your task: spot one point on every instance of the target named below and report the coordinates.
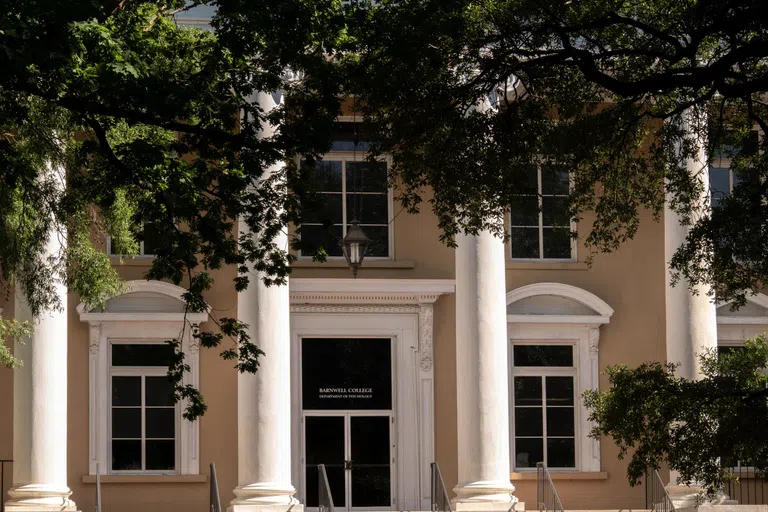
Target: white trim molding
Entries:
(759, 299)
(139, 327)
(404, 310)
(566, 291)
(581, 331)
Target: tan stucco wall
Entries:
(218, 428)
(631, 281)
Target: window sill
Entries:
(546, 265)
(340, 263)
(146, 479)
(576, 475)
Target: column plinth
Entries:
(482, 374)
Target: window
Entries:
(143, 420)
(540, 228)
(148, 245)
(722, 178)
(349, 189)
(133, 426)
(544, 400)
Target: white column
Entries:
(691, 327)
(482, 375)
(40, 405)
(691, 320)
(264, 398)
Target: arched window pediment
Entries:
(754, 312)
(144, 300)
(556, 303)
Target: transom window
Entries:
(539, 224)
(143, 420)
(543, 409)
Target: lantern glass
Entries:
(354, 246)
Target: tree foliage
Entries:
(157, 123)
(700, 428)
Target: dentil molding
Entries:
(410, 296)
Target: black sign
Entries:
(346, 373)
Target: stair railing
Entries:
(324, 497)
(656, 495)
(215, 500)
(3, 464)
(546, 494)
(98, 489)
(440, 502)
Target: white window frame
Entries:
(142, 372)
(359, 156)
(724, 162)
(141, 253)
(735, 330)
(540, 198)
(541, 372)
(138, 327)
(580, 331)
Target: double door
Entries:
(358, 453)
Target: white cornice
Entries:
(368, 291)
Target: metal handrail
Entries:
(215, 500)
(439, 500)
(324, 496)
(546, 494)
(98, 488)
(3, 462)
(656, 495)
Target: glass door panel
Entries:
(325, 444)
(371, 470)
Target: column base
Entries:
(491, 496)
(488, 506)
(39, 498)
(690, 497)
(265, 497)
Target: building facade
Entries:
(475, 358)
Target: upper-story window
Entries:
(540, 228)
(722, 178)
(148, 245)
(350, 188)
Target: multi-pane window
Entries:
(148, 245)
(543, 406)
(722, 178)
(349, 190)
(143, 419)
(540, 227)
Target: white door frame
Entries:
(412, 392)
